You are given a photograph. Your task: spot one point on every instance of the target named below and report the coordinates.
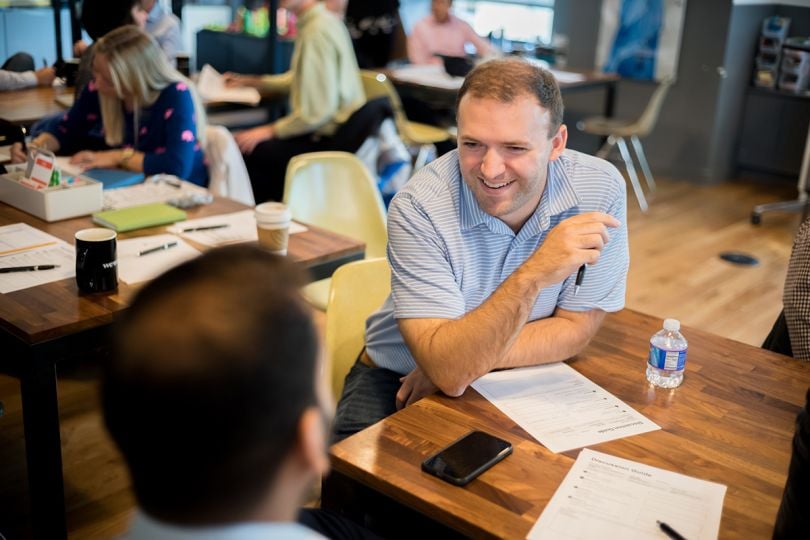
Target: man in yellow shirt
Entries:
(324, 87)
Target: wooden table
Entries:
(40, 325)
(730, 422)
(25, 107)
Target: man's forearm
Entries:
(453, 353)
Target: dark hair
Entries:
(506, 79)
(212, 368)
(101, 16)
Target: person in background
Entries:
(138, 114)
(793, 520)
(373, 26)
(164, 27)
(485, 244)
(18, 72)
(324, 87)
(222, 420)
(441, 32)
(99, 17)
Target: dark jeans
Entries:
(369, 395)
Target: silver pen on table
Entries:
(167, 245)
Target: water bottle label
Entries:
(667, 360)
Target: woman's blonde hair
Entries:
(138, 68)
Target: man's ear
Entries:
(558, 142)
(312, 438)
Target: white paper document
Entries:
(560, 407)
(23, 245)
(567, 76)
(608, 497)
(135, 268)
(150, 192)
(211, 86)
(241, 227)
(428, 75)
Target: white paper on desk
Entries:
(66, 167)
(23, 245)
(211, 86)
(567, 76)
(428, 75)
(560, 407)
(5, 153)
(149, 192)
(241, 228)
(133, 268)
(608, 497)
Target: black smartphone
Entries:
(467, 457)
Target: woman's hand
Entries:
(18, 155)
(107, 159)
(233, 80)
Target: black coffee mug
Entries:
(96, 260)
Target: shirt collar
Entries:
(558, 196)
(155, 14)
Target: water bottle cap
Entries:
(673, 325)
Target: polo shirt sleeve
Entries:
(423, 285)
(605, 282)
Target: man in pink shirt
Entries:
(441, 32)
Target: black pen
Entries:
(669, 531)
(204, 228)
(9, 269)
(580, 277)
(167, 245)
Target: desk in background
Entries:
(731, 422)
(40, 325)
(25, 107)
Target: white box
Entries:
(54, 203)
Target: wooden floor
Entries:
(675, 272)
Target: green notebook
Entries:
(139, 217)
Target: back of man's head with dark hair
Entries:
(101, 16)
(213, 366)
(506, 79)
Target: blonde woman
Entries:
(138, 113)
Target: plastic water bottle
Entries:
(667, 359)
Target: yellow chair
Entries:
(416, 134)
(358, 288)
(617, 130)
(335, 190)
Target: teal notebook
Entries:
(114, 178)
(139, 217)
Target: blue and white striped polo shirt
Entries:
(447, 255)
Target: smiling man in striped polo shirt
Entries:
(484, 247)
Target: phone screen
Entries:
(467, 457)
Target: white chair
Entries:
(227, 174)
(358, 288)
(617, 130)
(335, 190)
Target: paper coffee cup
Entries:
(273, 225)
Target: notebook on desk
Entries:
(139, 217)
(114, 178)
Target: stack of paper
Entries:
(23, 245)
(233, 228)
(608, 497)
(560, 407)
